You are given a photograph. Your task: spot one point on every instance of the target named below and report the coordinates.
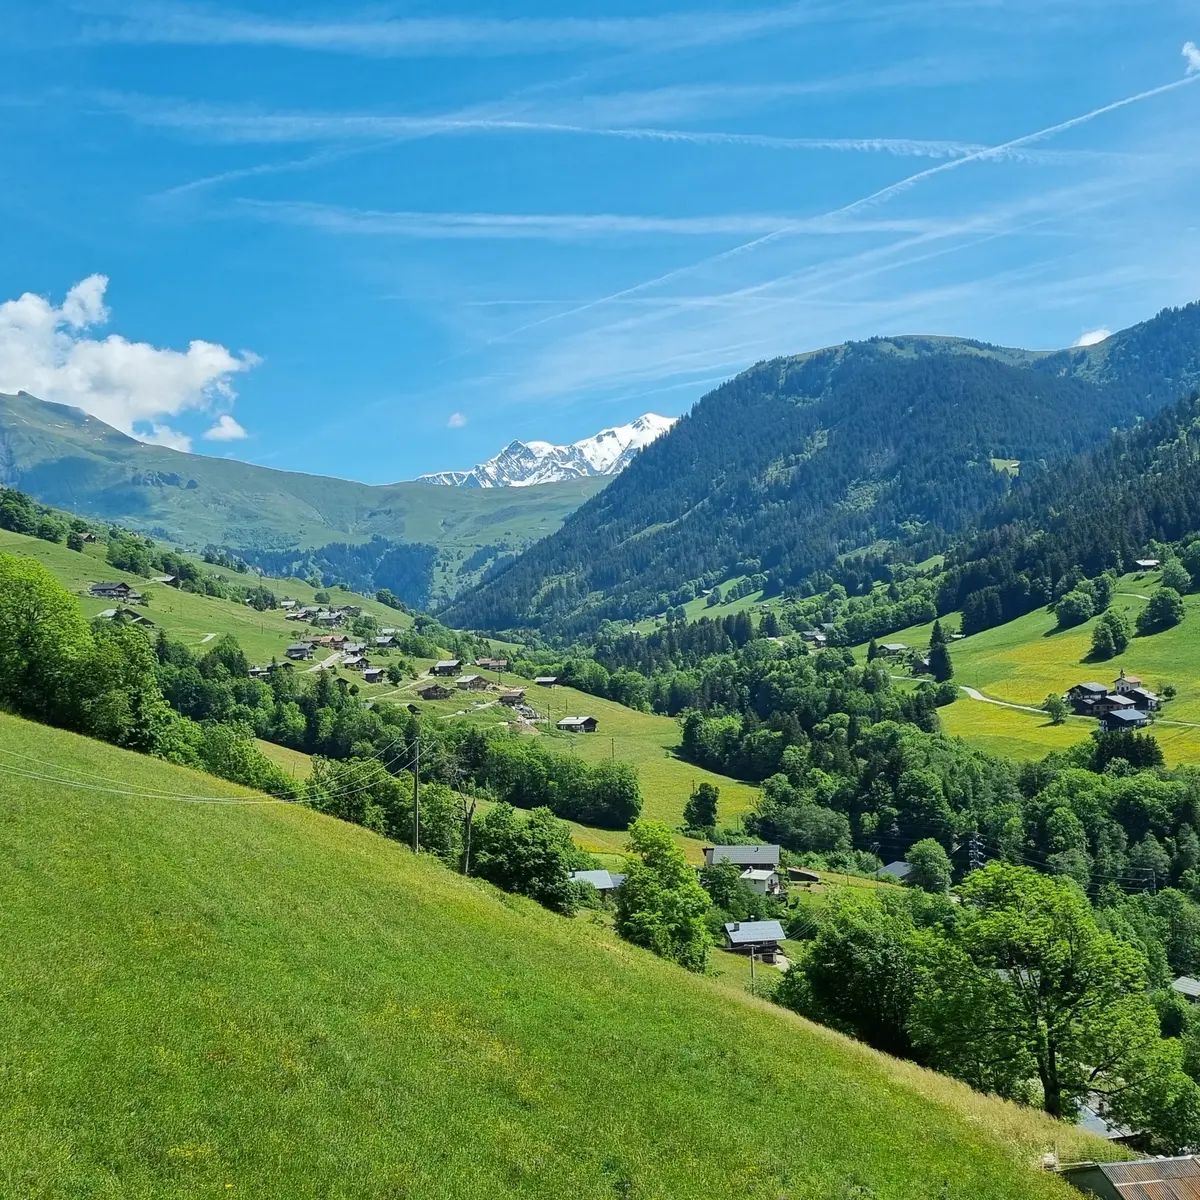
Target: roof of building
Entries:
(470, 679)
(300, 646)
(1149, 1178)
(448, 663)
(576, 721)
(1090, 687)
(743, 856)
(893, 646)
(1125, 716)
(897, 870)
(1146, 562)
(1185, 985)
(753, 933)
(546, 679)
(1128, 678)
(759, 874)
(1143, 693)
(1119, 701)
(602, 881)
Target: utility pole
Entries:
(417, 799)
(975, 851)
(753, 988)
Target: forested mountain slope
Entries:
(438, 538)
(250, 999)
(799, 459)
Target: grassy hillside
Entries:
(646, 741)
(1027, 659)
(62, 457)
(248, 999)
(191, 618)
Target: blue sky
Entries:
(383, 240)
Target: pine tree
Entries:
(940, 666)
(937, 635)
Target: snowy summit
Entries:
(522, 464)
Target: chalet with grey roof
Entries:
(742, 856)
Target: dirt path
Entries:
(333, 658)
(208, 637)
(976, 694)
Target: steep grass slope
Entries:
(190, 617)
(223, 999)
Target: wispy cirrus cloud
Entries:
(556, 226)
(163, 23)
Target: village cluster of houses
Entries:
(1126, 705)
(452, 669)
(314, 614)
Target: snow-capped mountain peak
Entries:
(522, 464)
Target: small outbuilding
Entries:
(897, 871)
(1147, 564)
(1187, 987)
(762, 938)
(1146, 1179)
(547, 681)
(605, 882)
(578, 724)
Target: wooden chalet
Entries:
(471, 683)
(578, 724)
(299, 652)
(119, 590)
(513, 697)
(435, 691)
(761, 938)
(492, 664)
(373, 675)
(547, 681)
(447, 666)
(1120, 719)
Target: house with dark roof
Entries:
(1124, 718)
(373, 675)
(513, 697)
(447, 666)
(578, 724)
(435, 691)
(114, 591)
(546, 681)
(897, 871)
(1144, 699)
(299, 651)
(492, 664)
(386, 642)
(742, 856)
(754, 937)
(1082, 692)
(471, 683)
(1146, 1179)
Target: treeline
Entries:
(404, 570)
(1097, 513)
(1021, 989)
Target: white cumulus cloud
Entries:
(1094, 337)
(1192, 53)
(53, 353)
(457, 421)
(226, 429)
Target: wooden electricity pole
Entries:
(417, 799)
